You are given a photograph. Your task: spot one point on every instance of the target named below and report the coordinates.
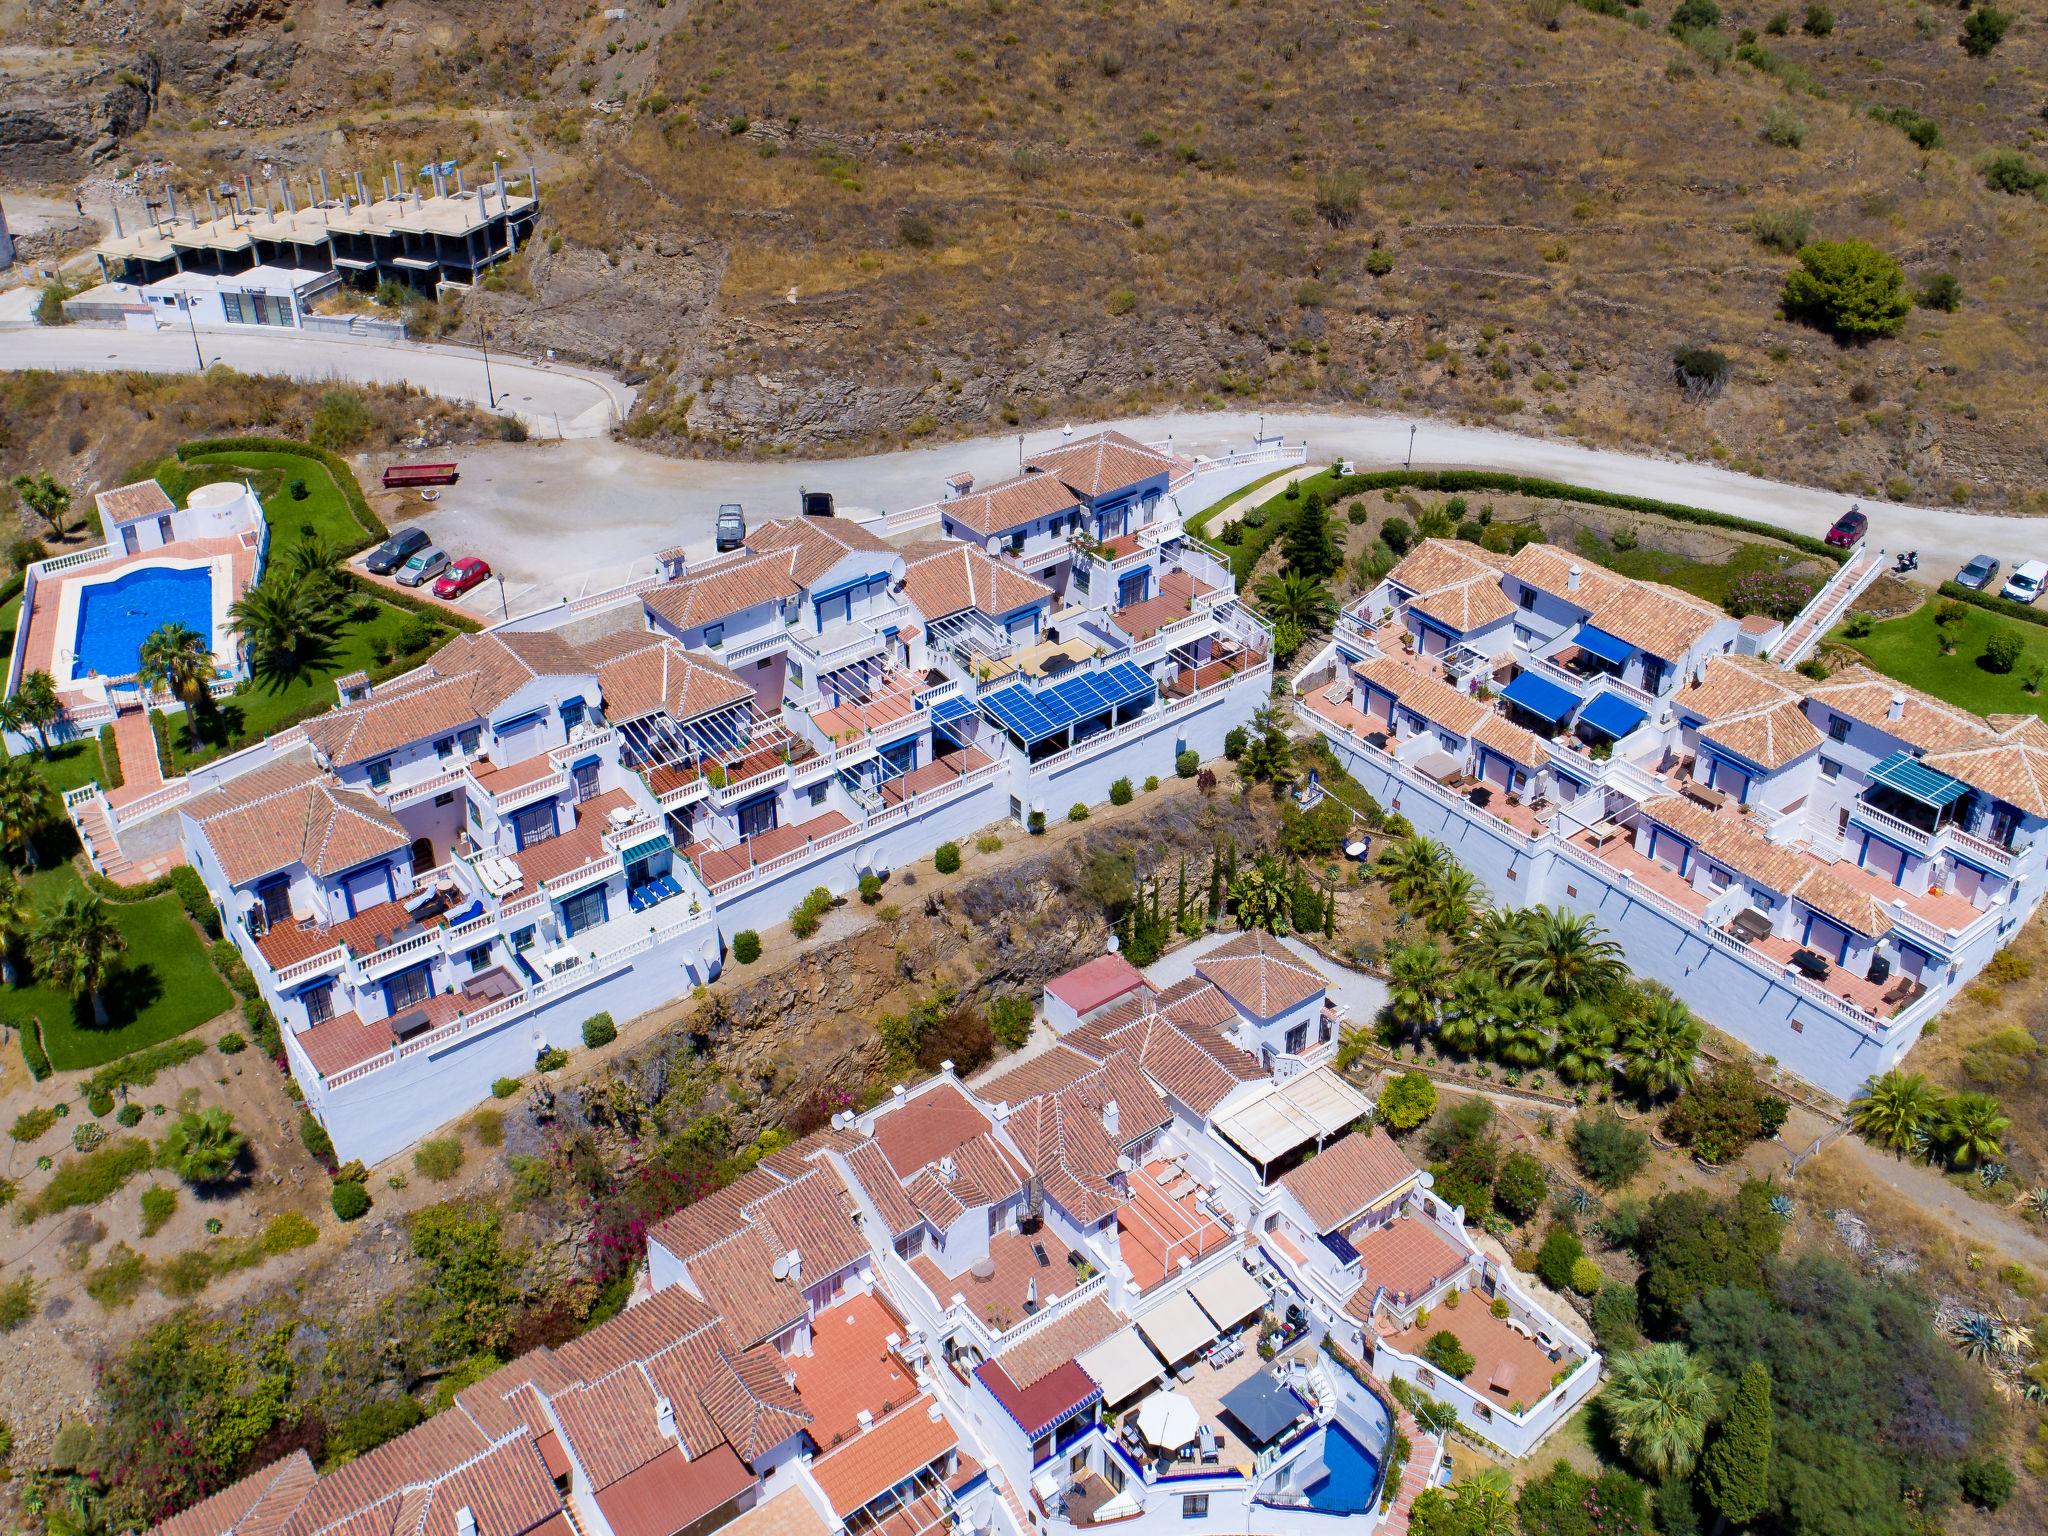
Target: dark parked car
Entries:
(732, 526)
(1978, 574)
(395, 551)
(1849, 529)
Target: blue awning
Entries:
(1611, 715)
(1916, 781)
(1540, 696)
(1609, 648)
(646, 850)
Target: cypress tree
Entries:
(1180, 900)
(1736, 1470)
(1330, 912)
(1216, 885)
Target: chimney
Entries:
(948, 1170)
(1571, 579)
(1898, 708)
(465, 1522)
(899, 1094)
(934, 1412)
(1031, 1295)
(665, 1418)
(1112, 1117)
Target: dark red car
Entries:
(461, 576)
(1849, 529)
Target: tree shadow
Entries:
(317, 652)
(126, 993)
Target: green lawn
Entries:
(1198, 524)
(164, 984)
(1909, 649)
(70, 764)
(1712, 580)
(323, 510)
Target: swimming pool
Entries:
(1350, 1480)
(115, 617)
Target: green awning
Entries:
(648, 849)
(1912, 778)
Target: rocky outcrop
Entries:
(56, 123)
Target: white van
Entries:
(2026, 581)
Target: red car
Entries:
(1849, 529)
(461, 576)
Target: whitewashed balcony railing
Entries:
(1917, 838)
(397, 796)
(312, 965)
(1976, 847)
(733, 655)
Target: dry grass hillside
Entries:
(862, 220)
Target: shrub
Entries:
(551, 1058)
(1939, 290)
(438, 1159)
(1820, 21)
(1449, 1356)
(100, 1102)
(86, 1135)
(129, 1114)
(1121, 301)
(1786, 230)
(988, 842)
(917, 232)
(1187, 764)
(159, 1203)
(1783, 127)
(1586, 1278)
(2002, 650)
(17, 1302)
(1694, 16)
(1519, 1190)
(373, 1424)
(1407, 1101)
(488, 1127)
(1120, 792)
(1615, 1325)
(231, 1044)
(1077, 812)
(90, 1179)
(599, 1030)
(746, 946)
(1397, 535)
(1723, 1112)
(1984, 29)
(1035, 823)
(314, 1138)
(1986, 1481)
(1151, 782)
(808, 914)
(870, 889)
(339, 420)
(31, 1123)
(1607, 1151)
(946, 858)
(1560, 1252)
(1009, 1020)
(1235, 740)
(32, 1050)
(2013, 173)
(197, 901)
(349, 1200)
(505, 1087)
(1849, 288)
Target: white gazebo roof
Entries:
(1230, 1295)
(1312, 1106)
(1177, 1327)
(1121, 1364)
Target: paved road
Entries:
(570, 401)
(1995, 1226)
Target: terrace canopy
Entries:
(1177, 1327)
(1540, 696)
(1038, 715)
(1263, 1408)
(1595, 641)
(1121, 1365)
(1311, 1106)
(1230, 1295)
(1611, 715)
(1916, 781)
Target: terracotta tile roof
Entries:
(754, 1402)
(1455, 583)
(1655, 618)
(1351, 1175)
(1511, 741)
(851, 1367)
(291, 813)
(819, 543)
(610, 1425)
(869, 1465)
(1105, 462)
(737, 1278)
(2014, 767)
(1046, 1072)
(641, 674)
(1436, 702)
(1073, 1333)
(812, 1216)
(789, 1513)
(933, 1199)
(671, 1492)
(928, 1126)
(1924, 722)
(1261, 974)
(1406, 1255)
(727, 590)
(1180, 1044)
(416, 1458)
(636, 1334)
(1549, 569)
(1066, 1140)
(1044, 1403)
(257, 1504)
(712, 1219)
(959, 576)
(791, 1161)
(1730, 841)
(383, 723)
(1748, 708)
(878, 1181)
(1102, 980)
(1011, 503)
(506, 1399)
(125, 503)
(507, 1490)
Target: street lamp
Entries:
(1409, 462)
(198, 357)
(484, 331)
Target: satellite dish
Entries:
(780, 1268)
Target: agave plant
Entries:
(1992, 1174)
(1976, 1335)
(1781, 1204)
(2035, 1201)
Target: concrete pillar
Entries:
(248, 195)
(533, 181)
(362, 192)
(117, 221)
(173, 191)
(211, 211)
(460, 189)
(498, 176)
(323, 183)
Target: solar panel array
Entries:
(1032, 717)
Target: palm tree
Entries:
(25, 807)
(1658, 1046)
(204, 1148)
(1261, 899)
(1564, 954)
(1374, 561)
(38, 706)
(282, 617)
(1896, 1110)
(17, 920)
(1268, 757)
(1293, 598)
(1521, 1036)
(1584, 1048)
(1659, 1401)
(318, 562)
(1418, 979)
(1411, 867)
(1447, 906)
(177, 660)
(1970, 1125)
(1485, 1504)
(47, 497)
(75, 947)
(1486, 945)
(1471, 1018)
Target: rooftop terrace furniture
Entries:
(488, 986)
(1810, 963)
(1749, 925)
(405, 1025)
(1712, 799)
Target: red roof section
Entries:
(1102, 980)
(671, 1492)
(1046, 1401)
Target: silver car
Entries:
(423, 567)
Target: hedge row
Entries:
(434, 611)
(111, 776)
(182, 880)
(1452, 481)
(32, 1050)
(2004, 607)
(373, 527)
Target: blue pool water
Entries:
(115, 617)
(1351, 1477)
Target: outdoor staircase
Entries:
(1415, 1472)
(1863, 566)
